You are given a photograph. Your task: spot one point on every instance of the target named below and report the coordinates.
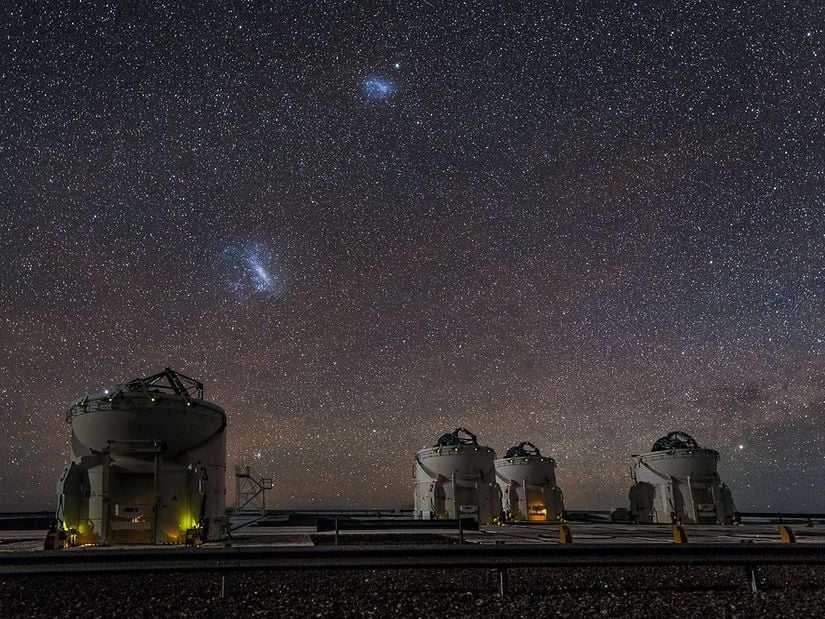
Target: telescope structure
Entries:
(677, 481)
(527, 481)
(456, 478)
(148, 465)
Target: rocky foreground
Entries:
(554, 592)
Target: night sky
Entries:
(364, 224)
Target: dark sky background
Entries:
(363, 224)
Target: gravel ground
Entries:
(555, 592)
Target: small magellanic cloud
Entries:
(377, 89)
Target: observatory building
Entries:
(527, 481)
(148, 464)
(456, 478)
(677, 481)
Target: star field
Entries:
(364, 224)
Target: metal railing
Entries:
(498, 557)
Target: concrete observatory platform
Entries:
(456, 478)
(677, 480)
(527, 481)
(148, 464)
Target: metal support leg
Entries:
(223, 585)
(753, 579)
(336, 531)
(503, 582)
(460, 530)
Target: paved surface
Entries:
(549, 534)
(634, 534)
(541, 533)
